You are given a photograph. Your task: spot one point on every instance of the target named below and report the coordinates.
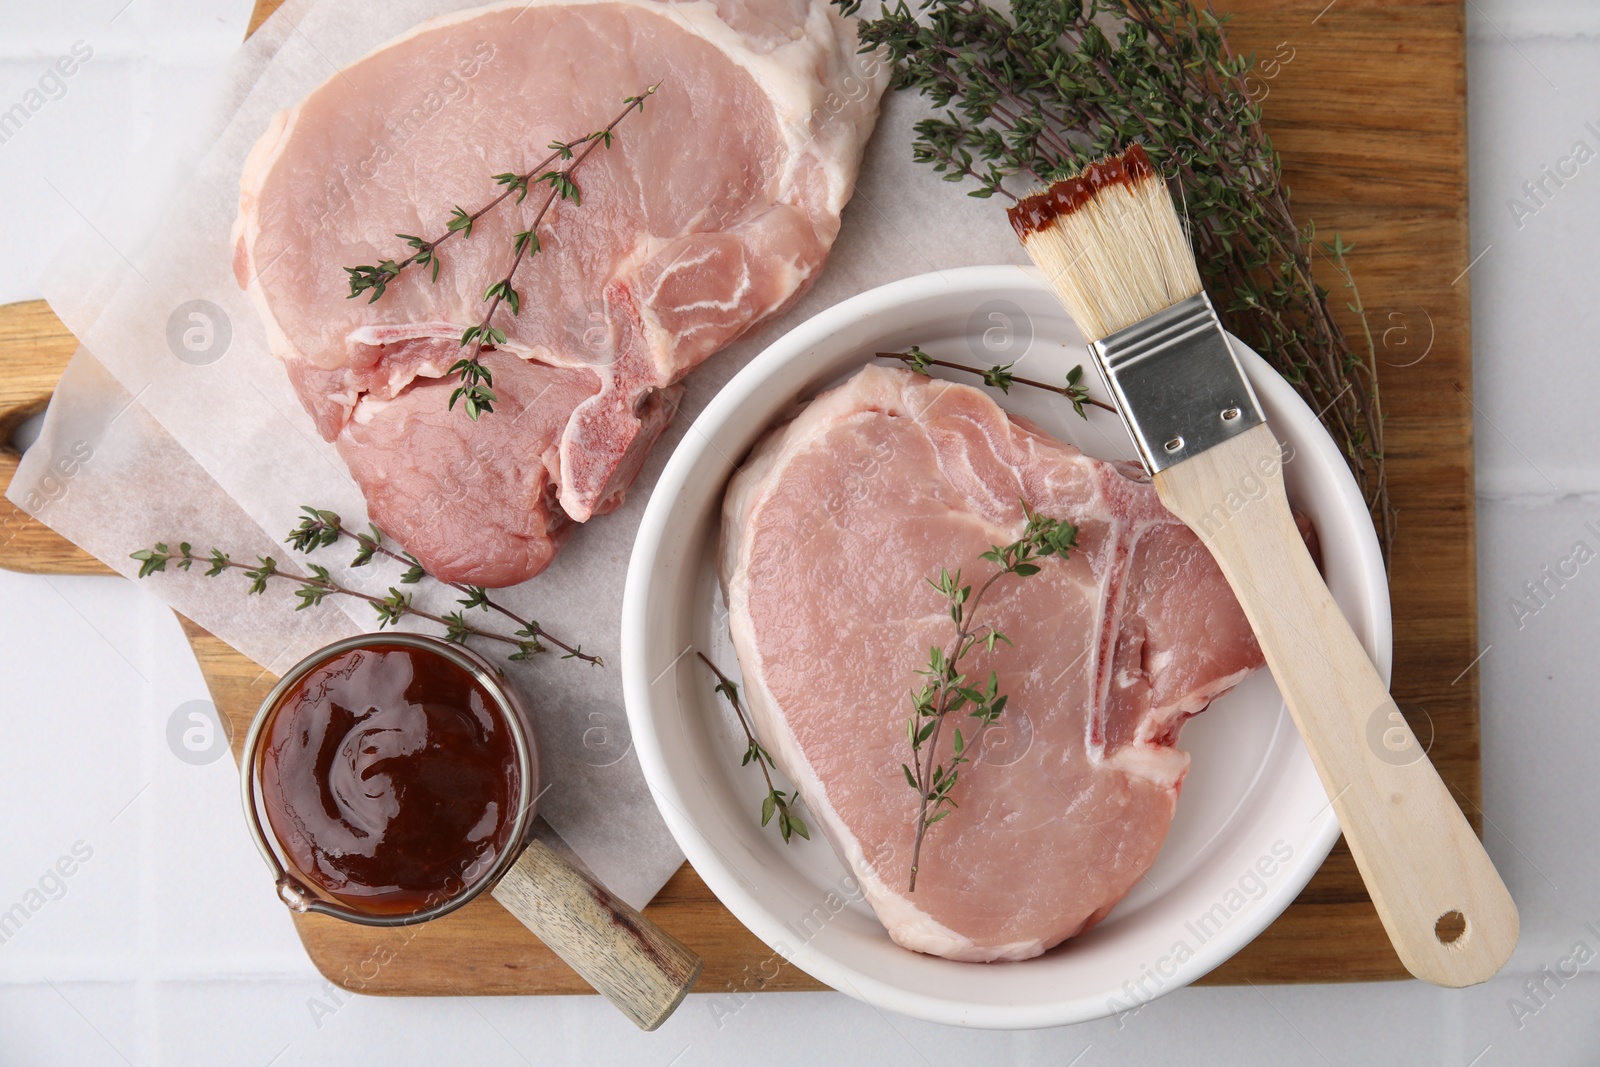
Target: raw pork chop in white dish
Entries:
(712, 211)
(830, 534)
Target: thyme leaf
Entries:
(1001, 377)
(474, 391)
(1030, 92)
(946, 689)
(319, 528)
(776, 802)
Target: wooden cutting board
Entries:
(1369, 111)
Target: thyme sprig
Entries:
(776, 802)
(948, 689)
(476, 380)
(1001, 377)
(320, 528)
(1032, 92)
(317, 586)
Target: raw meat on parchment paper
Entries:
(713, 211)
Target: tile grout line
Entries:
(146, 950)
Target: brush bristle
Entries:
(1110, 242)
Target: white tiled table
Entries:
(162, 947)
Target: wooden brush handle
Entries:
(640, 968)
(1416, 852)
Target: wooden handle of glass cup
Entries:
(639, 967)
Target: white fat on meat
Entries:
(830, 533)
(712, 211)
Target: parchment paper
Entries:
(171, 427)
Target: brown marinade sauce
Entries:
(390, 779)
(1034, 213)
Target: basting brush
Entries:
(1112, 247)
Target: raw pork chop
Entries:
(829, 534)
(713, 210)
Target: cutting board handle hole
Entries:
(1450, 927)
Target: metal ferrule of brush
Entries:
(1177, 383)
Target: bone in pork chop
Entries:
(830, 532)
(713, 210)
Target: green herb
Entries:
(948, 690)
(474, 391)
(1030, 94)
(319, 528)
(316, 586)
(777, 802)
(1000, 377)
